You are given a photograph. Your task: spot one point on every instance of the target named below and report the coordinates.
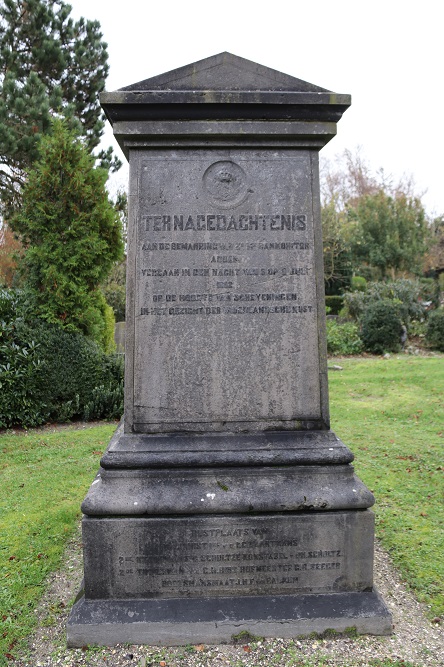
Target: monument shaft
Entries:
(225, 267)
(224, 502)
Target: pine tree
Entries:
(71, 233)
(49, 65)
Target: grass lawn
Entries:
(389, 412)
(44, 477)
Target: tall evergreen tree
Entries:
(71, 233)
(49, 64)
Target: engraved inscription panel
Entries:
(225, 302)
(231, 556)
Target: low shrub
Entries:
(381, 327)
(354, 305)
(106, 401)
(335, 303)
(75, 367)
(418, 328)
(358, 284)
(435, 330)
(343, 339)
(20, 370)
(403, 292)
(430, 292)
(49, 374)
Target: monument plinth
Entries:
(224, 502)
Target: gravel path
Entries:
(415, 640)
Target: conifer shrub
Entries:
(435, 330)
(381, 327)
(71, 235)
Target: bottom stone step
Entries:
(179, 621)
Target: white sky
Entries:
(387, 54)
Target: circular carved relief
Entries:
(226, 184)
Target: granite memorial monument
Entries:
(225, 502)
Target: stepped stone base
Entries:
(180, 580)
(179, 621)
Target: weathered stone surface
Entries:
(135, 450)
(216, 556)
(231, 90)
(225, 274)
(224, 489)
(175, 622)
(225, 72)
(224, 502)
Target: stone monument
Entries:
(225, 502)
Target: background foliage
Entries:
(343, 338)
(435, 330)
(49, 65)
(372, 226)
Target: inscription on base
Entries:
(225, 556)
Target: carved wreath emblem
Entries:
(226, 184)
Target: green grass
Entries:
(389, 412)
(391, 415)
(43, 479)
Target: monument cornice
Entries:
(133, 134)
(123, 104)
(224, 98)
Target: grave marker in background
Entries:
(225, 503)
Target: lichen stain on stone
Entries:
(222, 486)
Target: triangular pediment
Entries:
(225, 72)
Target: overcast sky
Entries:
(387, 54)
